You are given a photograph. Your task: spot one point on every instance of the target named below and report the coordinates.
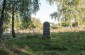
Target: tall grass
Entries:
(61, 43)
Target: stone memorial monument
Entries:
(46, 30)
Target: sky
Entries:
(45, 10)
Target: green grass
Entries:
(63, 43)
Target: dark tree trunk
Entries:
(13, 31)
(2, 18)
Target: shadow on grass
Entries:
(63, 41)
(3, 52)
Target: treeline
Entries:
(69, 13)
(34, 23)
(16, 13)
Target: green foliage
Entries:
(3, 52)
(36, 22)
(63, 43)
(54, 26)
(55, 15)
(65, 24)
(70, 9)
(25, 23)
(75, 24)
(23, 11)
(33, 23)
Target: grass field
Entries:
(62, 43)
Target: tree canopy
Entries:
(70, 9)
(24, 8)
